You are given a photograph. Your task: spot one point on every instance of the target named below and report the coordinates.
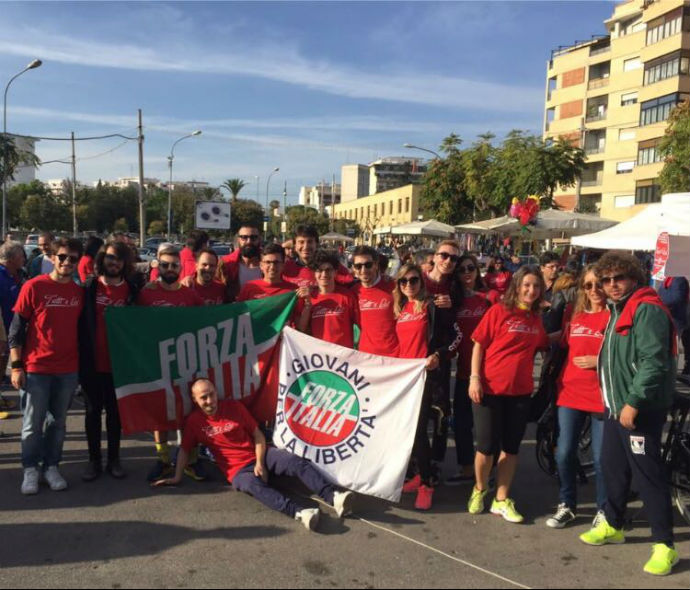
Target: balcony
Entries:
(597, 83)
(596, 149)
(599, 115)
(598, 50)
(593, 181)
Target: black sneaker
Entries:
(160, 470)
(563, 516)
(92, 471)
(115, 470)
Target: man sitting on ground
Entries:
(228, 429)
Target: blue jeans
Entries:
(45, 401)
(570, 422)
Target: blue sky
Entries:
(306, 86)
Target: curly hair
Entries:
(619, 262)
(512, 299)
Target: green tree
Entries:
(301, 215)
(43, 212)
(246, 211)
(342, 226)
(234, 186)
(479, 166)
(11, 158)
(675, 149)
(157, 227)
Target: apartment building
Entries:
(24, 173)
(612, 96)
(320, 196)
(384, 174)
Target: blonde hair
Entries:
(451, 243)
(582, 302)
(399, 300)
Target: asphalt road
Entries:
(117, 534)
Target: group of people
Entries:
(617, 336)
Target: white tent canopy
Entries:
(336, 237)
(424, 228)
(640, 232)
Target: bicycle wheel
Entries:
(680, 475)
(545, 454)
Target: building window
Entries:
(399, 206)
(626, 134)
(666, 66)
(648, 152)
(407, 204)
(647, 192)
(625, 167)
(375, 210)
(390, 208)
(666, 26)
(628, 98)
(633, 63)
(654, 111)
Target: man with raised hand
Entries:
(228, 429)
(374, 295)
(196, 242)
(44, 358)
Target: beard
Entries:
(112, 273)
(169, 278)
(250, 251)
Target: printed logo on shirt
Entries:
(477, 312)
(580, 331)
(322, 312)
(518, 325)
(366, 305)
(411, 317)
(60, 301)
(637, 445)
(105, 300)
(322, 414)
(212, 431)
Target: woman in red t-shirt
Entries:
(419, 336)
(470, 303)
(501, 384)
(497, 277)
(579, 394)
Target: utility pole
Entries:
(283, 223)
(142, 212)
(74, 189)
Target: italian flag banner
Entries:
(352, 414)
(157, 352)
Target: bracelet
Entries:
(17, 365)
(475, 377)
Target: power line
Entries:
(83, 138)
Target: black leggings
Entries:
(421, 451)
(500, 423)
(463, 422)
(100, 394)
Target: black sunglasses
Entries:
(413, 281)
(167, 265)
(453, 257)
(468, 268)
(63, 257)
(111, 258)
(361, 265)
(613, 279)
(248, 237)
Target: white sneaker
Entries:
(563, 516)
(309, 518)
(598, 518)
(30, 482)
(54, 479)
(342, 502)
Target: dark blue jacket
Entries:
(9, 291)
(675, 297)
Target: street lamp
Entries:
(171, 157)
(415, 147)
(268, 180)
(33, 65)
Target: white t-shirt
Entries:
(248, 274)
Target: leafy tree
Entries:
(675, 149)
(43, 212)
(234, 186)
(157, 227)
(13, 157)
(301, 215)
(342, 225)
(246, 211)
(479, 166)
(121, 225)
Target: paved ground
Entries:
(115, 534)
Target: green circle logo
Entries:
(322, 408)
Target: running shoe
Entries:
(425, 495)
(309, 517)
(662, 560)
(92, 471)
(602, 534)
(598, 518)
(563, 516)
(30, 482)
(506, 509)
(55, 480)
(412, 485)
(342, 502)
(476, 503)
(114, 468)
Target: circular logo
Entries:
(321, 408)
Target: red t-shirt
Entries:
(376, 318)
(52, 310)
(579, 388)
(510, 339)
(228, 434)
(467, 318)
(303, 276)
(333, 316)
(260, 289)
(211, 294)
(441, 287)
(85, 267)
(412, 329)
(187, 263)
(107, 295)
(498, 280)
(154, 295)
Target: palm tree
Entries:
(234, 185)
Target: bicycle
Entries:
(676, 449)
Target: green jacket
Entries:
(637, 363)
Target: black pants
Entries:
(100, 395)
(421, 451)
(463, 422)
(441, 411)
(500, 422)
(634, 456)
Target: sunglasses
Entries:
(72, 259)
(591, 286)
(613, 279)
(360, 265)
(111, 258)
(454, 258)
(413, 282)
(468, 268)
(169, 265)
(248, 237)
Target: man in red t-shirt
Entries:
(272, 263)
(332, 312)
(374, 295)
(232, 434)
(238, 266)
(168, 292)
(44, 357)
(300, 271)
(204, 281)
(111, 287)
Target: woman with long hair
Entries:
(505, 344)
(470, 303)
(421, 337)
(579, 394)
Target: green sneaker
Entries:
(476, 503)
(506, 509)
(602, 533)
(662, 560)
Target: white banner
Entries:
(352, 414)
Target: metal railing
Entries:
(598, 83)
(599, 149)
(596, 116)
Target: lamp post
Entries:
(415, 147)
(171, 157)
(33, 65)
(268, 180)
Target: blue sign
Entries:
(266, 218)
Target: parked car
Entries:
(154, 242)
(146, 254)
(221, 249)
(31, 240)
